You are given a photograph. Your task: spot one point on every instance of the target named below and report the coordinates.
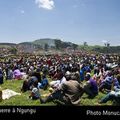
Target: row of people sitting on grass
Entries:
(69, 87)
(17, 74)
(113, 94)
(35, 78)
(95, 83)
(34, 83)
(71, 90)
(56, 68)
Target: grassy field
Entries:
(23, 100)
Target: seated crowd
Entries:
(68, 78)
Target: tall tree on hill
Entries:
(46, 47)
(74, 46)
(85, 44)
(13, 50)
(108, 44)
(58, 44)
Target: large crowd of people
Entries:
(67, 77)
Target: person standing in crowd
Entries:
(82, 70)
(1, 76)
(10, 74)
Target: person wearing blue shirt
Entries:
(44, 83)
(82, 73)
(107, 82)
(113, 95)
(117, 83)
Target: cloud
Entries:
(22, 11)
(104, 41)
(46, 4)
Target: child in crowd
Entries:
(35, 94)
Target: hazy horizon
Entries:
(63, 41)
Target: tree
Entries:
(85, 44)
(13, 50)
(46, 47)
(74, 46)
(108, 45)
(58, 44)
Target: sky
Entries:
(93, 21)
